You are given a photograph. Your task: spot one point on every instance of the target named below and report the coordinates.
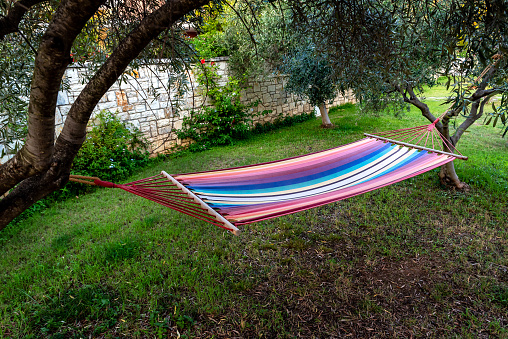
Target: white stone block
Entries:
(163, 123)
(62, 99)
(140, 108)
(144, 127)
(154, 105)
(136, 116)
(64, 110)
(164, 131)
(107, 106)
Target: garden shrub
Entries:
(228, 119)
(210, 45)
(112, 150)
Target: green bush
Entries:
(112, 150)
(210, 45)
(228, 119)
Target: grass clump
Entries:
(62, 315)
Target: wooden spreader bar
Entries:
(415, 146)
(203, 204)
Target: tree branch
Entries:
(474, 115)
(74, 129)
(413, 100)
(9, 23)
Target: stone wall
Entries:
(145, 99)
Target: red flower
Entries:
(202, 61)
(212, 63)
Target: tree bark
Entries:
(53, 57)
(47, 168)
(326, 123)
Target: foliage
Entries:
(227, 119)
(309, 75)
(15, 76)
(256, 37)
(210, 45)
(112, 150)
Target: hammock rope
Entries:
(237, 196)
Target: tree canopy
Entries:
(388, 51)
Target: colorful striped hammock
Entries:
(237, 196)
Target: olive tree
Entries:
(310, 76)
(387, 51)
(50, 31)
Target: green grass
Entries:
(411, 259)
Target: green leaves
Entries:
(112, 150)
(499, 114)
(15, 76)
(310, 74)
(220, 124)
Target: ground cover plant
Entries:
(408, 260)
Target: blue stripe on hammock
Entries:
(296, 182)
(415, 156)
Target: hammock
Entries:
(236, 196)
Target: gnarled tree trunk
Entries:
(478, 99)
(43, 165)
(326, 123)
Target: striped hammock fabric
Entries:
(237, 196)
(252, 193)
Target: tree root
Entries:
(452, 182)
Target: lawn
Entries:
(409, 260)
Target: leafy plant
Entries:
(227, 119)
(15, 78)
(310, 75)
(210, 45)
(112, 149)
(211, 42)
